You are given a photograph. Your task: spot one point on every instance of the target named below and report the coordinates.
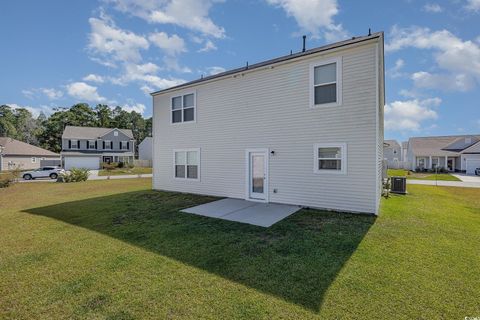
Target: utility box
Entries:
(398, 185)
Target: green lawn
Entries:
(114, 249)
(122, 171)
(421, 176)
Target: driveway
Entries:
(467, 178)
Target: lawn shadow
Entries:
(296, 259)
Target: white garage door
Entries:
(82, 162)
(472, 165)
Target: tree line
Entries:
(46, 132)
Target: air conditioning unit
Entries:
(398, 185)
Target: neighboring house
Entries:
(18, 154)
(392, 153)
(304, 129)
(454, 153)
(145, 149)
(88, 147)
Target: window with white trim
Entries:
(187, 164)
(183, 108)
(108, 144)
(73, 144)
(326, 83)
(124, 145)
(91, 144)
(34, 160)
(330, 158)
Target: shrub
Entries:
(109, 166)
(9, 178)
(121, 164)
(75, 175)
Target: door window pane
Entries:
(258, 173)
(325, 74)
(326, 93)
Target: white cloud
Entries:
(215, 70)
(460, 60)
(432, 8)
(396, 71)
(94, 78)
(171, 63)
(84, 92)
(473, 5)
(50, 93)
(172, 45)
(408, 115)
(138, 107)
(113, 43)
(35, 111)
(190, 14)
(445, 82)
(147, 75)
(314, 16)
(209, 46)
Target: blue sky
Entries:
(55, 53)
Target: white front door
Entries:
(257, 181)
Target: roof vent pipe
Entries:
(304, 39)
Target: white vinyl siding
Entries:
(269, 108)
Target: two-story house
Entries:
(303, 129)
(88, 147)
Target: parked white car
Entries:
(44, 172)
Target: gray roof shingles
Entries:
(75, 132)
(14, 147)
(436, 146)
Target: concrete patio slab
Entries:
(255, 213)
(220, 208)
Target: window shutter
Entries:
(103, 144)
(111, 144)
(96, 145)
(128, 145)
(69, 144)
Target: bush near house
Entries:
(75, 175)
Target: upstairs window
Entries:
(183, 108)
(325, 83)
(107, 144)
(91, 144)
(187, 164)
(124, 145)
(330, 158)
(73, 144)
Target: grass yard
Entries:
(114, 249)
(123, 171)
(421, 176)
